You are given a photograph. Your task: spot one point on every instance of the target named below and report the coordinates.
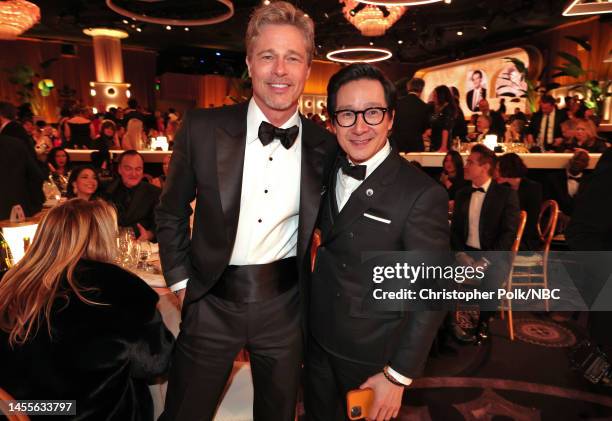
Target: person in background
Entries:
(83, 183)
(502, 108)
(108, 137)
(563, 186)
(58, 162)
(79, 130)
(9, 126)
(134, 198)
(134, 137)
(483, 128)
(477, 92)
(498, 125)
(452, 174)
(460, 128)
(412, 119)
(161, 180)
(511, 170)
(545, 127)
(443, 119)
(568, 131)
(585, 134)
(515, 132)
(73, 325)
(518, 115)
(133, 111)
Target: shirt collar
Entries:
(377, 159)
(571, 175)
(255, 116)
(485, 186)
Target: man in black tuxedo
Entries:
(412, 119)
(485, 218)
(563, 186)
(256, 172)
(374, 200)
(544, 131)
(134, 198)
(22, 184)
(10, 127)
(477, 92)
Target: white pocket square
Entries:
(377, 218)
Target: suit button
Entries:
(343, 265)
(338, 294)
(351, 235)
(322, 248)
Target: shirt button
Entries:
(266, 191)
(343, 265)
(271, 159)
(322, 248)
(351, 235)
(259, 220)
(338, 294)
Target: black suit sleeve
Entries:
(427, 230)
(509, 223)
(173, 212)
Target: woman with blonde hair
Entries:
(134, 136)
(585, 134)
(74, 326)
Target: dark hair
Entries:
(51, 157)
(75, 174)
(455, 92)
(41, 124)
(548, 99)
(107, 124)
(8, 110)
(416, 84)
(512, 166)
(443, 95)
(485, 156)
(132, 103)
(457, 162)
(130, 152)
(477, 71)
(358, 71)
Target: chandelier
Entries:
(371, 20)
(16, 17)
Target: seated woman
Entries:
(452, 174)
(515, 132)
(585, 134)
(75, 326)
(483, 125)
(512, 170)
(58, 165)
(108, 137)
(83, 183)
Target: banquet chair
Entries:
(532, 271)
(508, 283)
(4, 397)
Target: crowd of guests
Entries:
(439, 124)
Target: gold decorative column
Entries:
(109, 89)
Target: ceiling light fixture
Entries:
(370, 55)
(371, 20)
(584, 7)
(16, 17)
(167, 21)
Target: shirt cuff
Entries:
(179, 285)
(406, 381)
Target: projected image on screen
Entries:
(510, 83)
(477, 82)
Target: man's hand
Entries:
(144, 234)
(387, 398)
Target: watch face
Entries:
(355, 411)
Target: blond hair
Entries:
(132, 138)
(589, 127)
(280, 13)
(75, 230)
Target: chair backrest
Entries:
(519, 231)
(4, 397)
(547, 222)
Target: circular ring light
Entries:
(177, 22)
(383, 54)
(391, 3)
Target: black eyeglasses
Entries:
(372, 116)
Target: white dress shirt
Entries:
(345, 185)
(476, 97)
(547, 129)
(573, 185)
(270, 198)
(476, 201)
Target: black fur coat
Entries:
(99, 355)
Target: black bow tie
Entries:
(480, 189)
(358, 172)
(576, 179)
(267, 133)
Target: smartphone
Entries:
(358, 403)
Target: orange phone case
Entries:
(358, 403)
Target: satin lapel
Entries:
(489, 201)
(329, 199)
(367, 193)
(230, 145)
(465, 210)
(311, 183)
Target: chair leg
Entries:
(510, 321)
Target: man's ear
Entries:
(246, 60)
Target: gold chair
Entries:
(10, 416)
(515, 248)
(532, 271)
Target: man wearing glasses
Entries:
(374, 201)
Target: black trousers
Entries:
(213, 331)
(327, 380)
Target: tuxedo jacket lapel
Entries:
(230, 146)
(311, 179)
(366, 194)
